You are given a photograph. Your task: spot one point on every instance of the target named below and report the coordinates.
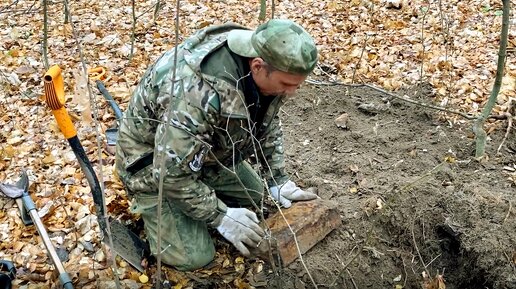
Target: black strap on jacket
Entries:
(140, 164)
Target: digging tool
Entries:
(20, 192)
(98, 73)
(111, 133)
(24, 214)
(125, 243)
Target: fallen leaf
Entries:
(143, 278)
(24, 69)
(49, 159)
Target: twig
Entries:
(359, 59)
(45, 34)
(268, 237)
(300, 255)
(508, 212)
(323, 71)
(133, 29)
(351, 277)
(427, 174)
(66, 14)
(96, 127)
(273, 9)
(509, 259)
(146, 11)
(345, 266)
(156, 10)
(161, 153)
(509, 116)
(421, 72)
(133, 23)
(13, 12)
(263, 8)
(404, 98)
(257, 146)
(404, 270)
(445, 26)
(6, 9)
(431, 261)
(507, 132)
(301, 259)
(417, 249)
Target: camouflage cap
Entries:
(281, 43)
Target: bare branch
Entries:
(96, 126)
(161, 153)
(44, 44)
(417, 249)
(133, 29)
(359, 59)
(422, 69)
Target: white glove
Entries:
(240, 227)
(288, 192)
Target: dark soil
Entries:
(441, 211)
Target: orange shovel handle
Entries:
(64, 122)
(55, 98)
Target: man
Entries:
(229, 85)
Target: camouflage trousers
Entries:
(186, 243)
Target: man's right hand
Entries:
(240, 227)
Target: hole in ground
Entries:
(460, 265)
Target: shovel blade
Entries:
(111, 136)
(16, 192)
(127, 244)
(11, 191)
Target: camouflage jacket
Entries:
(208, 124)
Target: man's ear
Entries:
(256, 64)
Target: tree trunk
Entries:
(480, 134)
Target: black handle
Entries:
(91, 177)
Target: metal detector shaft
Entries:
(64, 278)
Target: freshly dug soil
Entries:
(411, 196)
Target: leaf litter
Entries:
(452, 45)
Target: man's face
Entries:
(276, 82)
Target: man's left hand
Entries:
(289, 192)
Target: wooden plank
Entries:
(311, 221)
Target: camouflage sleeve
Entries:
(273, 154)
(185, 142)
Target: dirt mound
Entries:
(411, 198)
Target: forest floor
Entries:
(411, 196)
